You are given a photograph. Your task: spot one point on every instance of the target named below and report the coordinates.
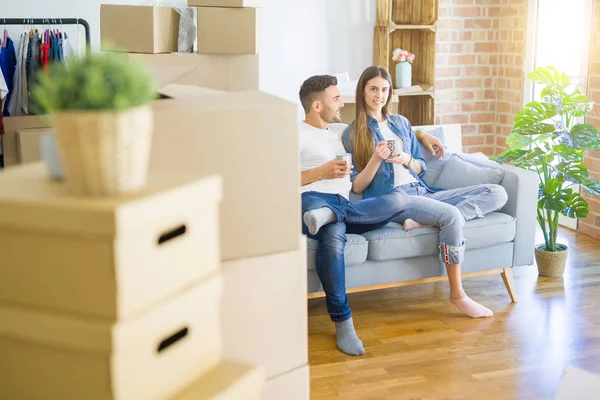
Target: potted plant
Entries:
(404, 61)
(547, 139)
(99, 108)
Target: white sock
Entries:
(472, 308)
(315, 219)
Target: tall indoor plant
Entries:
(99, 108)
(547, 139)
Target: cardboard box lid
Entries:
(216, 71)
(228, 3)
(252, 100)
(100, 335)
(227, 381)
(29, 200)
(183, 92)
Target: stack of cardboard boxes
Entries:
(212, 120)
(227, 42)
(99, 301)
(251, 140)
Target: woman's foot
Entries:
(409, 225)
(471, 308)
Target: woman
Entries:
(378, 171)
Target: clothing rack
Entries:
(50, 21)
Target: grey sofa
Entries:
(502, 239)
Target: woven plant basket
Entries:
(104, 153)
(551, 263)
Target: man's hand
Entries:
(432, 143)
(334, 169)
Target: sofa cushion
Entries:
(354, 254)
(391, 242)
(459, 172)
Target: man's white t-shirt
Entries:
(317, 147)
(401, 174)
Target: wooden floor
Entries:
(419, 347)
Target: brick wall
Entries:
(513, 25)
(480, 44)
(591, 225)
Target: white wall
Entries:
(309, 37)
(299, 38)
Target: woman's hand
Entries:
(381, 151)
(399, 158)
(432, 143)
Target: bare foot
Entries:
(409, 225)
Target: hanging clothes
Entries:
(14, 105)
(25, 84)
(68, 49)
(3, 95)
(60, 47)
(8, 63)
(33, 65)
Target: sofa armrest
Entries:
(522, 189)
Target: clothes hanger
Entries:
(5, 36)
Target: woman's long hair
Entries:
(361, 139)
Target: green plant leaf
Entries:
(573, 172)
(577, 206)
(99, 81)
(592, 186)
(540, 128)
(518, 141)
(510, 156)
(585, 136)
(534, 113)
(568, 153)
(549, 75)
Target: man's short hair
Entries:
(313, 87)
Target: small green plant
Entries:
(103, 81)
(546, 139)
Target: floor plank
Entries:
(419, 347)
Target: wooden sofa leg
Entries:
(509, 282)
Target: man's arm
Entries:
(312, 175)
(330, 170)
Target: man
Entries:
(327, 212)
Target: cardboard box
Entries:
(10, 141)
(106, 257)
(227, 30)
(293, 385)
(227, 3)
(28, 144)
(227, 381)
(232, 73)
(265, 311)
(47, 355)
(138, 29)
(251, 140)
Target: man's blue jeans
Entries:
(356, 217)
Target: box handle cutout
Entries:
(172, 234)
(171, 340)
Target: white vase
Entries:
(50, 155)
(104, 153)
(403, 75)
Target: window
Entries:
(559, 34)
